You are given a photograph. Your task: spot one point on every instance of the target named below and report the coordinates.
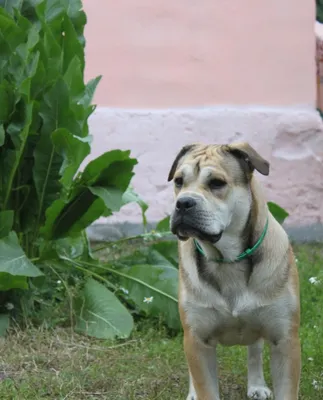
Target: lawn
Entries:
(57, 364)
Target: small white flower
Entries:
(9, 306)
(314, 280)
(310, 359)
(148, 299)
(316, 385)
(59, 282)
(296, 259)
(125, 291)
(315, 326)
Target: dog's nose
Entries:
(185, 204)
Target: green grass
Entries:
(57, 364)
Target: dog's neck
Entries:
(243, 231)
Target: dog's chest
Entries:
(223, 326)
(233, 315)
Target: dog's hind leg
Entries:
(257, 388)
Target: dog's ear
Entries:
(249, 155)
(181, 154)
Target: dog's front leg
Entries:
(285, 368)
(203, 369)
(257, 388)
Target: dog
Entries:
(238, 281)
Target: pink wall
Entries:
(182, 71)
(166, 53)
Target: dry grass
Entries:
(40, 364)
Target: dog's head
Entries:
(212, 188)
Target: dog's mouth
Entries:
(184, 231)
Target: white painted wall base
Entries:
(290, 138)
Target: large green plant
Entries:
(45, 202)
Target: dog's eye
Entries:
(178, 182)
(216, 184)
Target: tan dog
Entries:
(228, 295)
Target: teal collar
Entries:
(241, 256)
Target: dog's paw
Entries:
(191, 397)
(259, 393)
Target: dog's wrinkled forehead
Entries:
(237, 162)
(205, 159)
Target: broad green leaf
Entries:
(8, 281)
(70, 45)
(24, 87)
(30, 70)
(6, 22)
(99, 193)
(64, 217)
(279, 213)
(10, 5)
(6, 222)
(74, 79)
(148, 256)
(163, 225)
(56, 112)
(112, 197)
(12, 158)
(89, 91)
(169, 250)
(100, 314)
(73, 151)
(73, 247)
(39, 84)
(23, 112)
(46, 174)
(33, 37)
(116, 175)
(73, 8)
(78, 17)
(70, 218)
(151, 272)
(100, 168)
(4, 324)
(130, 196)
(53, 9)
(25, 192)
(11, 37)
(28, 10)
(95, 211)
(44, 141)
(155, 282)
(13, 260)
(78, 214)
(51, 216)
(22, 20)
